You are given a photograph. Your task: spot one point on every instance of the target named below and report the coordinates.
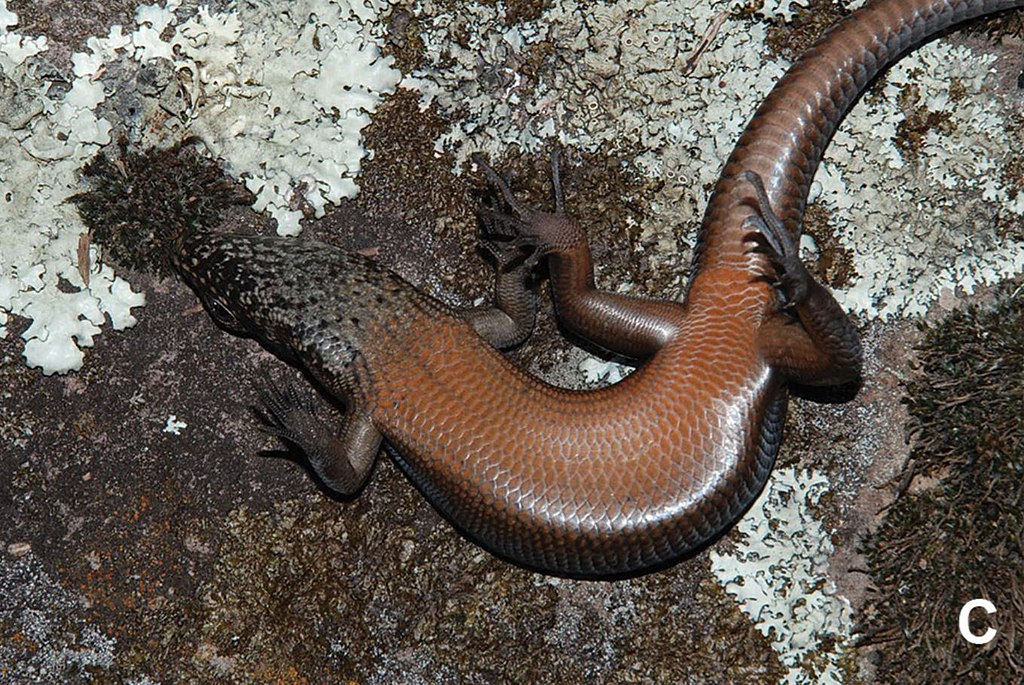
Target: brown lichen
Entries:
(68, 23)
(808, 26)
(1009, 226)
(406, 177)
(918, 120)
(15, 379)
(404, 42)
(1003, 26)
(138, 583)
(834, 265)
(525, 10)
(417, 212)
(915, 127)
(957, 90)
(609, 195)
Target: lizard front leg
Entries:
(341, 456)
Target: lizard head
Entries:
(209, 264)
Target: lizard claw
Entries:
(281, 410)
(523, 213)
(507, 252)
(496, 225)
(504, 237)
(515, 230)
(771, 238)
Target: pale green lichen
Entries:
(43, 142)
(939, 233)
(280, 95)
(779, 577)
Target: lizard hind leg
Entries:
(510, 318)
(811, 339)
(612, 323)
(341, 459)
(509, 239)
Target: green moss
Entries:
(140, 202)
(960, 539)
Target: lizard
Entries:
(598, 483)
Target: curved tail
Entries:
(785, 139)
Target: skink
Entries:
(583, 483)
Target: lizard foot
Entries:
(526, 228)
(341, 459)
(771, 239)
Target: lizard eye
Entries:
(220, 313)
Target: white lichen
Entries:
(783, 8)
(44, 140)
(596, 371)
(917, 226)
(174, 425)
(285, 106)
(280, 93)
(779, 577)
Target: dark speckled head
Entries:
(301, 299)
(211, 265)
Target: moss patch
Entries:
(609, 195)
(1013, 177)
(380, 590)
(961, 538)
(139, 202)
(808, 26)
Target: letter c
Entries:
(965, 622)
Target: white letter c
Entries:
(965, 622)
